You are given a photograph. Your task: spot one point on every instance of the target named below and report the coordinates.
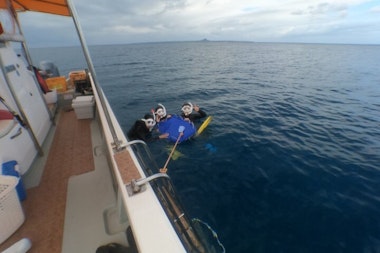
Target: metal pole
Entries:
(24, 46)
(117, 142)
(29, 59)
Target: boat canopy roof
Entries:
(57, 7)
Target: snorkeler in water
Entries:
(160, 113)
(192, 112)
(142, 129)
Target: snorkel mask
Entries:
(150, 121)
(160, 111)
(187, 108)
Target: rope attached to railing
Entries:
(214, 234)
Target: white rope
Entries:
(215, 235)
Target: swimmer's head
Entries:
(160, 111)
(187, 108)
(149, 121)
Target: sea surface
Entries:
(290, 162)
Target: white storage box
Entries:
(11, 213)
(84, 107)
(51, 97)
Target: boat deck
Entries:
(69, 190)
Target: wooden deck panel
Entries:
(127, 167)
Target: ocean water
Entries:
(291, 160)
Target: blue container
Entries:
(9, 169)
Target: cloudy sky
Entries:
(133, 21)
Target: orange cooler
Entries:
(58, 83)
(77, 75)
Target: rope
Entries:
(214, 234)
(164, 169)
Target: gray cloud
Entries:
(130, 21)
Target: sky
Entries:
(135, 21)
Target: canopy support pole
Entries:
(25, 49)
(117, 143)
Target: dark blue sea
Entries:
(290, 162)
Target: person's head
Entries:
(160, 111)
(149, 121)
(187, 108)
